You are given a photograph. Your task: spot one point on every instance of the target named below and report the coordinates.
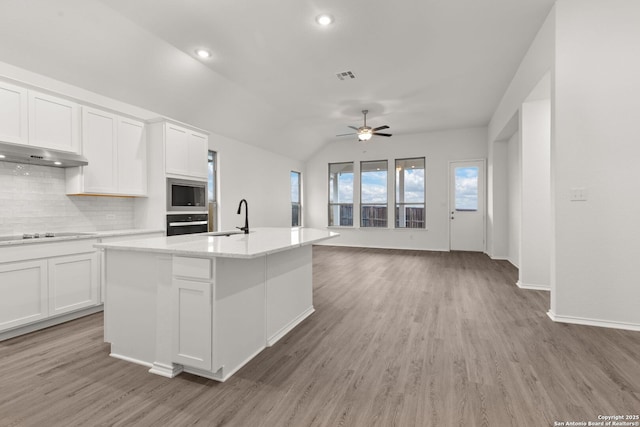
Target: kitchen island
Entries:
(206, 303)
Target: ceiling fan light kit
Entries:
(364, 132)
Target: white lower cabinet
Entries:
(192, 298)
(192, 323)
(43, 281)
(218, 307)
(23, 293)
(73, 283)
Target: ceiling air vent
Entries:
(345, 75)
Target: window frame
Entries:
(331, 205)
(299, 203)
(424, 195)
(373, 205)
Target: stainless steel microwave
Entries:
(185, 195)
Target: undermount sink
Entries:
(223, 233)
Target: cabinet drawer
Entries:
(194, 268)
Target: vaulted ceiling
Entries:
(419, 65)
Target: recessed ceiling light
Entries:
(203, 53)
(2, 156)
(57, 163)
(324, 19)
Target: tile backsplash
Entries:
(33, 200)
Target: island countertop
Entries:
(259, 242)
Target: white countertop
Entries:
(260, 241)
(81, 235)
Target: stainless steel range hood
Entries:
(40, 156)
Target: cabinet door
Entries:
(23, 293)
(176, 151)
(98, 146)
(53, 122)
(73, 282)
(131, 158)
(13, 114)
(192, 313)
(198, 150)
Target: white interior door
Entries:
(467, 205)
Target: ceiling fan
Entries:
(365, 132)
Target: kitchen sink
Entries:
(223, 233)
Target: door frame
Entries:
(451, 204)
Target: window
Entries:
(341, 194)
(373, 194)
(466, 188)
(410, 195)
(296, 206)
(211, 197)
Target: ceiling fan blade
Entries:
(352, 127)
(346, 134)
(380, 128)
(382, 134)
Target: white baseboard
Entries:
(42, 324)
(593, 322)
(533, 287)
(503, 258)
(221, 375)
(131, 360)
(289, 326)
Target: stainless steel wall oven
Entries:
(178, 224)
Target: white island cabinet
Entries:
(205, 303)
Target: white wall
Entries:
(497, 201)
(514, 217)
(535, 237)
(260, 176)
(595, 146)
(438, 147)
(537, 62)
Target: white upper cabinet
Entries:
(198, 146)
(13, 114)
(185, 152)
(98, 146)
(132, 157)
(116, 150)
(53, 122)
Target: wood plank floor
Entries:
(399, 338)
